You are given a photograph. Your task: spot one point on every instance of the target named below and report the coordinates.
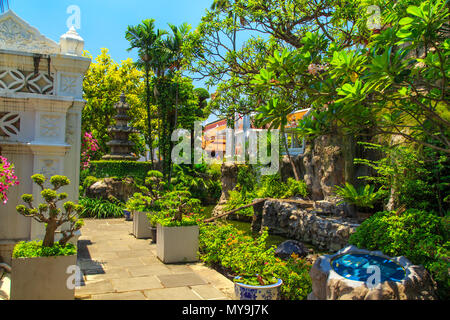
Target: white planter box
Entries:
(177, 244)
(43, 278)
(141, 225)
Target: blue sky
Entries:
(104, 22)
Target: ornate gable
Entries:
(17, 35)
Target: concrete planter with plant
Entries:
(46, 270)
(177, 228)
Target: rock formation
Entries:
(121, 189)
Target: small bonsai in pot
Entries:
(39, 267)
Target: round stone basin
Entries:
(360, 267)
(353, 273)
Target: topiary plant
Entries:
(49, 213)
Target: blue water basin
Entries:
(360, 267)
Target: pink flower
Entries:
(7, 178)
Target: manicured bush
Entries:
(121, 169)
(100, 209)
(420, 236)
(222, 245)
(35, 249)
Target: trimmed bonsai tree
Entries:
(49, 212)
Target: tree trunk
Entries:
(349, 155)
(149, 117)
(294, 168)
(174, 128)
(49, 239)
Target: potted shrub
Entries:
(40, 269)
(143, 203)
(177, 228)
(153, 220)
(257, 287)
(139, 205)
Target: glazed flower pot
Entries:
(177, 244)
(127, 215)
(141, 226)
(249, 292)
(43, 278)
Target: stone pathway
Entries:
(117, 266)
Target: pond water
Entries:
(360, 267)
(247, 228)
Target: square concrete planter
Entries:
(43, 278)
(141, 225)
(177, 244)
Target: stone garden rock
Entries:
(325, 231)
(121, 189)
(287, 248)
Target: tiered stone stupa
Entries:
(120, 143)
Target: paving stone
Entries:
(179, 293)
(180, 280)
(117, 266)
(133, 253)
(148, 270)
(95, 287)
(151, 260)
(125, 262)
(208, 292)
(133, 295)
(139, 283)
(178, 268)
(111, 273)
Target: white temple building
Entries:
(40, 117)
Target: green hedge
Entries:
(120, 169)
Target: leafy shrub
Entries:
(100, 209)
(202, 181)
(420, 236)
(121, 169)
(35, 249)
(224, 245)
(89, 181)
(238, 199)
(420, 176)
(363, 197)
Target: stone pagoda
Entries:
(120, 143)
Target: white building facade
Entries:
(40, 116)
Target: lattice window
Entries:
(9, 124)
(13, 80)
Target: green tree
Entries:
(144, 38)
(102, 85)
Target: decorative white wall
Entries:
(40, 115)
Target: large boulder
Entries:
(229, 181)
(121, 189)
(289, 247)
